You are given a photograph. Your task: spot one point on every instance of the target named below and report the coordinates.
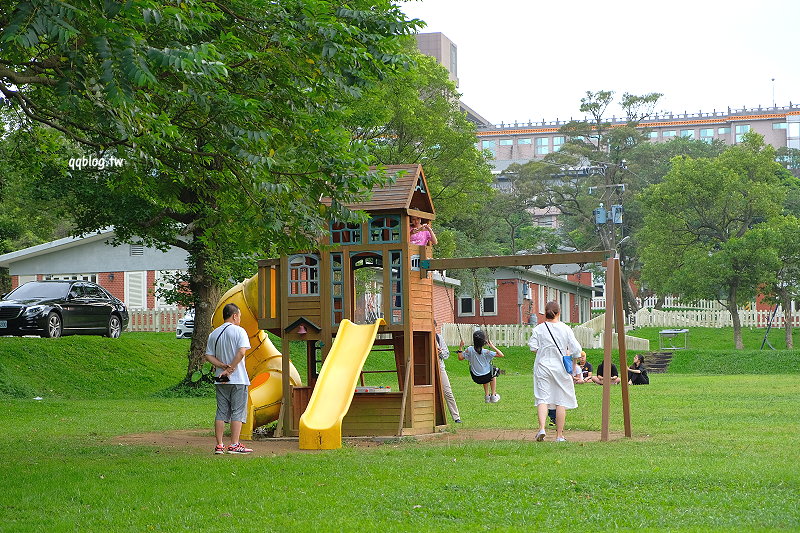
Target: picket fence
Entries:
(711, 318)
(518, 335)
(599, 303)
(154, 320)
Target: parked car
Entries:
(185, 325)
(56, 308)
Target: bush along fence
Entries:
(154, 320)
(518, 335)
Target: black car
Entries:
(55, 308)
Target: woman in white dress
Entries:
(552, 384)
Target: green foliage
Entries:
(413, 116)
(228, 117)
(696, 222)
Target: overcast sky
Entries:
(521, 60)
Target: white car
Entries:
(185, 325)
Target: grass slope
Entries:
(91, 367)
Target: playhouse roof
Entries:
(408, 190)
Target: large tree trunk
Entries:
(737, 323)
(207, 293)
(786, 303)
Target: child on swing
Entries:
(480, 364)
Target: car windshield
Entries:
(36, 289)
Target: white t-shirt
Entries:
(223, 343)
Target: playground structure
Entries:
(311, 297)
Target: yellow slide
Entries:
(321, 424)
(263, 360)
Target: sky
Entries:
(522, 60)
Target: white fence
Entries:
(154, 320)
(518, 335)
(599, 303)
(716, 318)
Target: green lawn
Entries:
(710, 452)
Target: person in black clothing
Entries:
(637, 373)
(614, 375)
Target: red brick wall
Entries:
(151, 297)
(116, 286)
(14, 282)
(442, 304)
(506, 302)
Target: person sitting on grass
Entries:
(577, 369)
(586, 368)
(614, 375)
(480, 364)
(637, 373)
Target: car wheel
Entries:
(114, 329)
(53, 326)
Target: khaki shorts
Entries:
(231, 402)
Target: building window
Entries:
(487, 145)
(542, 146)
(723, 131)
(489, 299)
(669, 133)
(523, 141)
(653, 135)
(345, 233)
(740, 131)
(506, 142)
(707, 134)
(779, 126)
(68, 277)
(689, 134)
(558, 142)
(384, 229)
(465, 307)
(304, 275)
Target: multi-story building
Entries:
(523, 142)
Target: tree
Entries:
(591, 169)
(782, 235)
(227, 116)
(696, 225)
(413, 116)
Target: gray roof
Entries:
(61, 244)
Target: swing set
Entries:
(614, 316)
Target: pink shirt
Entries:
(422, 237)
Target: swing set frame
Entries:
(614, 316)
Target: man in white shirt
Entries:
(226, 349)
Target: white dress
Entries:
(551, 383)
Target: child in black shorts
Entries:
(480, 364)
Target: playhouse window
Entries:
(337, 288)
(345, 233)
(396, 288)
(384, 229)
(304, 275)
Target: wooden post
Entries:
(619, 317)
(611, 277)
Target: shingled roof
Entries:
(409, 190)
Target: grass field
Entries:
(710, 452)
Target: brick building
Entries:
(128, 271)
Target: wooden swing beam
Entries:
(614, 311)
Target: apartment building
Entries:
(523, 142)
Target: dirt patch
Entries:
(202, 440)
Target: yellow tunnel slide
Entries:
(263, 360)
